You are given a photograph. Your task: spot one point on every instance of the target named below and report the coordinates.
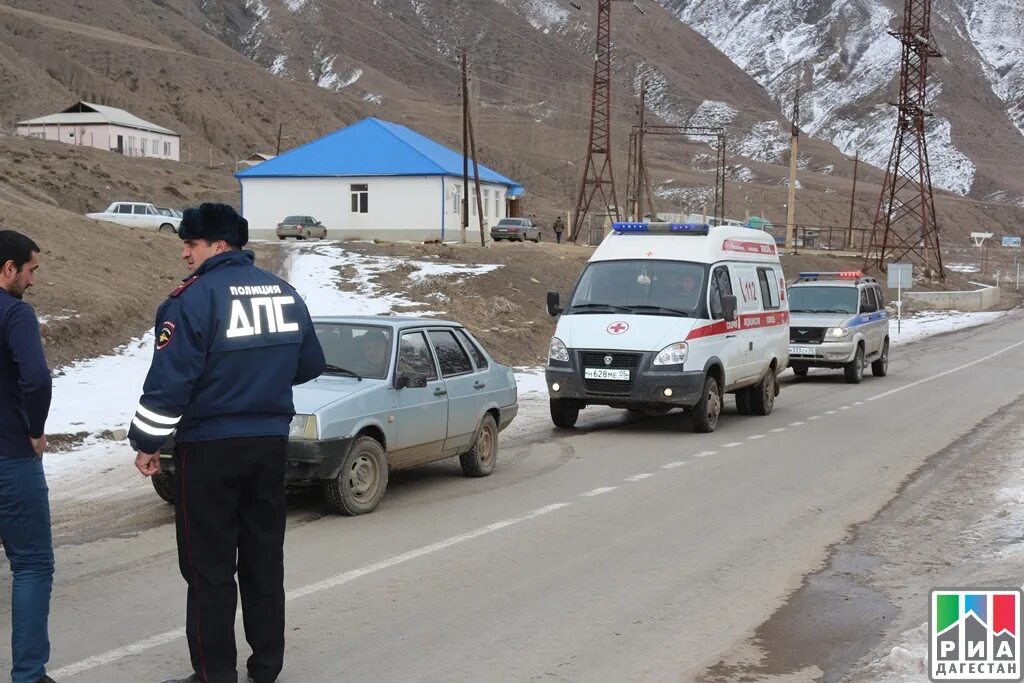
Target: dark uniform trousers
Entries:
(230, 504)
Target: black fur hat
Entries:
(214, 222)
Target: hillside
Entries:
(228, 76)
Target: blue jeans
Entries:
(25, 532)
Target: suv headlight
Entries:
(557, 352)
(674, 354)
(303, 427)
(837, 333)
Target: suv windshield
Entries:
(644, 287)
(823, 300)
(361, 350)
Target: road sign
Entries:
(901, 276)
(1013, 242)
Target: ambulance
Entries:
(672, 315)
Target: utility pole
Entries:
(793, 155)
(853, 200)
(598, 176)
(465, 150)
(905, 223)
(476, 177)
(280, 125)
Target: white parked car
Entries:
(138, 215)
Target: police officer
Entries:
(231, 341)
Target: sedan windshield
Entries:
(642, 287)
(823, 300)
(355, 350)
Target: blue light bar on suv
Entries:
(662, 228)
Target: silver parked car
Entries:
(301, 228)
(515, 230)
(398, 393)
(838, 320)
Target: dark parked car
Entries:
(515, 230)
(301, 228)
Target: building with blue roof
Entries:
(373, 179)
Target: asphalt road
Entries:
(624, 550)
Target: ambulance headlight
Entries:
(557, 353)
(837, 333)
(303, 427)
(674, 354)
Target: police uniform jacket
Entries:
(231, 342)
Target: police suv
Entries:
(838, 320)
(672, 315)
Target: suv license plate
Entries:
(603, 373)
(801, 351)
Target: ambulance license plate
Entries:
(801, 351)
(605, 373)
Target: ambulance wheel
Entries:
(800, 370)
(708, 409)
(880, 367)
(480, 461)
(762, 394)
(564, 413)
(743, 401)
(163, 484)
(362, 480)
(855, 368)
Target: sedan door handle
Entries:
(440, 392)
(479, 385)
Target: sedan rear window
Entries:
(294, 219)
(453, 359)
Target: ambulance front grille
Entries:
(608, 387)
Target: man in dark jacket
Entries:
(24, 498)
(559, 228)
(231, 341)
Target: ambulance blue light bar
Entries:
(662, 228)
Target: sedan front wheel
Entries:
(363, 478)
(480, 461)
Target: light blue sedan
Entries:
(398, 393)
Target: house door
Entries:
(120, 144)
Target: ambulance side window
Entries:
(721, 285)
(769, 288)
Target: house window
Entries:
(156, 147)
(167, 149)
(360, 199)
(769, 288)
(131, 145)
(487, 203)
(144, 142)
(457, 200)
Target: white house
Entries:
(95, 125)
(373, 179)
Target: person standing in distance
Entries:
(231, 341)
(25, 390)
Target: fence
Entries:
(824, 238)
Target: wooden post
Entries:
(465, 150)
(476, 179)
(853, 200)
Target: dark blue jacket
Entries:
(230, 343)
(24, 379)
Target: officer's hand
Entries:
(39, 445)
(148, 463)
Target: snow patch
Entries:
(765, 142)
(278, 66)
(373, 99)
(929, 323)
(295, 5)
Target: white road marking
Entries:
(947, 372)
(814, 417)
(599, 491)
(778, 429)
(858, 403)
(673, 465)
(828, 412)
(734, 444)
(318, 587)
(704, 454)
(844, 407)
(755, 437)
(795, 424)
(638, 477)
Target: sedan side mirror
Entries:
(412, 380)
(729, 304)
(553, 304)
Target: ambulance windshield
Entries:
(822, 299)
(642, 287)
